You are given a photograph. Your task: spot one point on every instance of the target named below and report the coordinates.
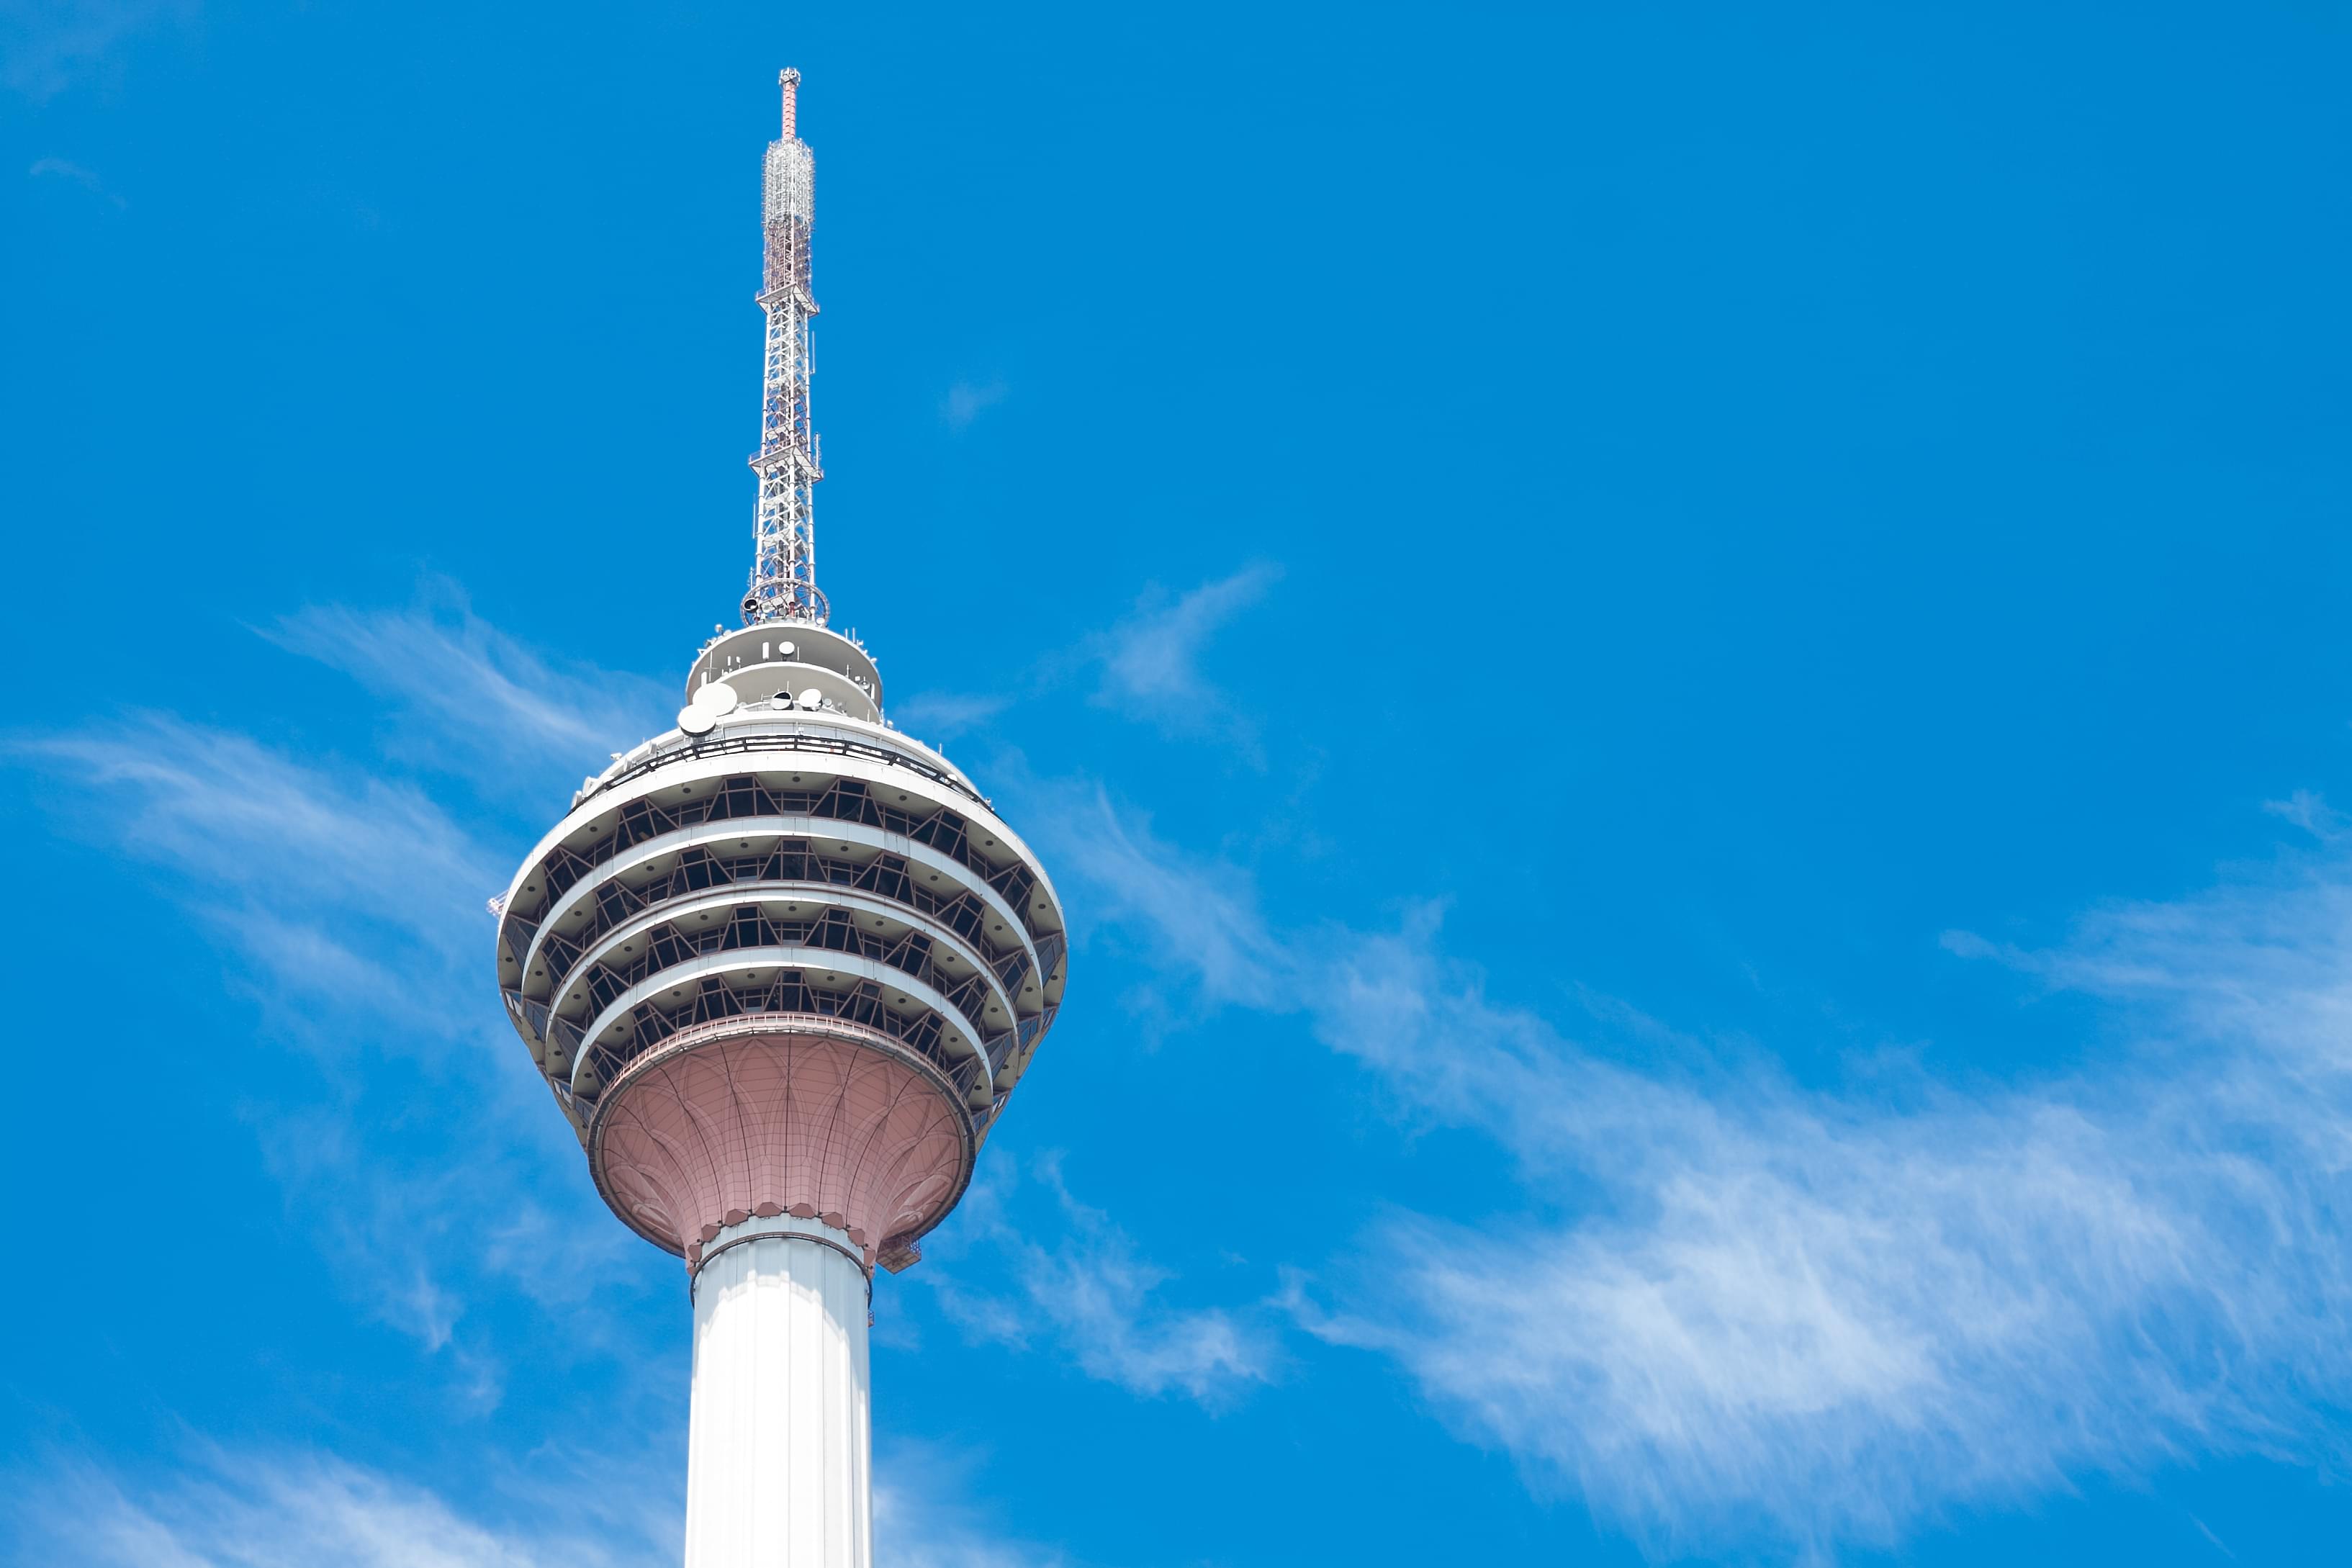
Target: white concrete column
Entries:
(778, 1450)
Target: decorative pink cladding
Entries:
(729, 1122)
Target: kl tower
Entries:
(782, 967)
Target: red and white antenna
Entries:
(783, 566)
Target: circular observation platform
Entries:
(782, 960)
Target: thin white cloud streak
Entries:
(557, 1257)
(1204, 918)
(354, 904)
(223, 1509)
(356, 901)
(2307, 811)
(62, 169)
(1152, 661)
(967, 401)
(399, 1228)
(241, 817)
(302, 1511)
(480, 702)
(46, 45)
(1831, 1316)
(1147, 668)
(931, 1523)
(297, 1510)
(946, 714)
(1098, 1298)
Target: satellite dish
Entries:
(697, 719)
(716, 698)
(787, 650)
(812, 697)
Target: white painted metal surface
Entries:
(789, 464)
(778, 1461)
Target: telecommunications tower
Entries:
(782, 967)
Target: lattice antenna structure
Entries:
(783, 567)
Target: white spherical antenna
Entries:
(716, 698)
(697, 719)
(812, 697)
(787, 650)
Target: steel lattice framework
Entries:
(784, 569)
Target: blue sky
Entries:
(1684, 669)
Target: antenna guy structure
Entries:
(781, 968)
(783, 567)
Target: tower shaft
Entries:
(779, 1447)
(783, 568)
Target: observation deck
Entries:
(782, 960)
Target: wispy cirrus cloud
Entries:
(1838, 1313)
(1150, 663)
(302, 1510)
(221, 1508)
(968, 400)
(931, 1521)
(474, 699)
(352, 906)
(1204, 916)
(1147, 668)
(947, 714)
(350, 902)
(60, 169)
(46, 44)
(271, 843)
(2307, 810)
(1098, 1299)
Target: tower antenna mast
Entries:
(783, 565)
